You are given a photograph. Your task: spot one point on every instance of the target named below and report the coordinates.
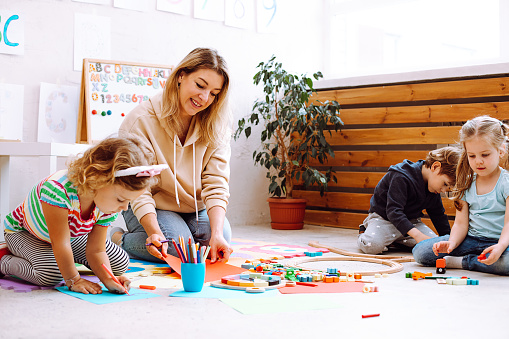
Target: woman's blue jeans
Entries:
(469, 249)
(172, 225)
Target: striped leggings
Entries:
(33, 260)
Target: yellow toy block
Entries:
(260, 283)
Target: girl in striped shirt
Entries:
(64, 219)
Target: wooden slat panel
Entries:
(423, 114)
(335, 219)
(370, 158)
(353, 179)
(449, 207)
(341, 200)
(396, 136)
(346, 219)
(353, 201)
(416, 92)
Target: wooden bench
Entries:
(385, 124)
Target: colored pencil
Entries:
(202, 251)
(184, 259)
(162, 242)
(305, 283)
(177, 249)
(206, 253)
(183, 248)
(114, 278)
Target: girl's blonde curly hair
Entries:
(494, 132)
(97, 166)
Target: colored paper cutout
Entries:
(108, 297)
(249, 249)
(22, 286)
(141, 263)
(213, 272)
(222, 293)
(340, 287)
(281, 304)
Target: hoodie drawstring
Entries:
(175, 168)
(194, 175)
(194, 183)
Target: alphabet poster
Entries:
(110, 90)
(11, 112)
(58, 113)
(12, 33)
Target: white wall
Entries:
(163, 38)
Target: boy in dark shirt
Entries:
(398, 200)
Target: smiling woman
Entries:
(187, 127)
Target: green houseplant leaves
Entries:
(294, 131)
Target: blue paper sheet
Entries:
(107, 297)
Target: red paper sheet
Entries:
(213, 271)
(339, 287)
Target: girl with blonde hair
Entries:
(480, 235)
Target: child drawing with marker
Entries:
(64, 219)
(480, 235)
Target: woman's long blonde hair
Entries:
(214, 121)
(492, 131)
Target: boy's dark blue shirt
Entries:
(402, 194)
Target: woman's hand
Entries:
(86, 287)
(155, 240)
(219, 249)
(495, 251)
(443, 247)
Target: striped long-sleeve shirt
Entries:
(58, 191)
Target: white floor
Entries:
(408, 309)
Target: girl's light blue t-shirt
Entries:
(487, 211)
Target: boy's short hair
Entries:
(448, 158)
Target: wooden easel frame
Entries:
(83, 130)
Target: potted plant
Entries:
(293, 133)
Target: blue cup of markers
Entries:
(193, 276)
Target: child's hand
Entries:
(124, 285)
(417, 235)
(86, 287)
(443, 247)
(495, 252)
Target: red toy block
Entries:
(440, 263)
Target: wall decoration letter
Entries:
(12, 33)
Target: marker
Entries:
(370, 315)
(114, 278)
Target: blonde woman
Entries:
(187, 126)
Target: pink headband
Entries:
(142, 171)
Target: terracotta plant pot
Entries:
(287, 214)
